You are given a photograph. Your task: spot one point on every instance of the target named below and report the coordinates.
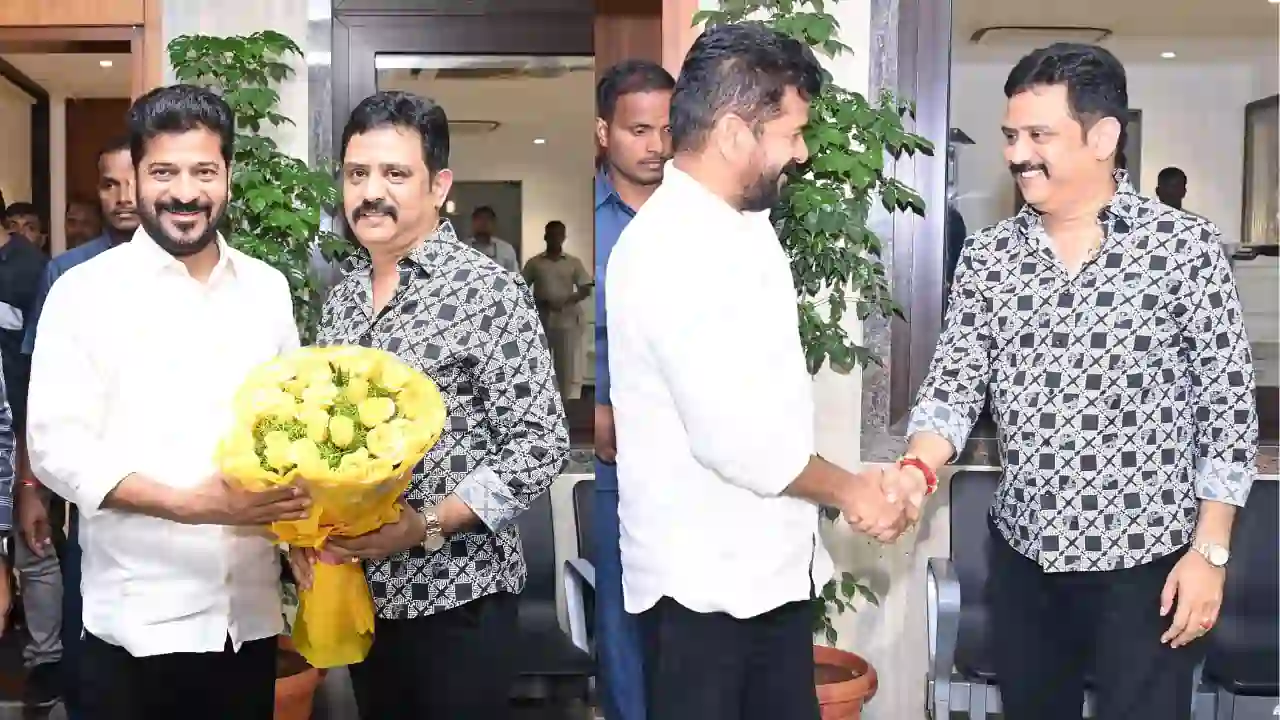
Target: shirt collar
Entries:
(604, 189)
(1117, 214)
(675, 180)
(425, 254)
(159, 259)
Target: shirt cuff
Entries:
(941, 419)
(1223, 481)
(488, 497)
(88, 499)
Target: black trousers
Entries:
(712, 666)
(193, 686)
(1052, 630)
(457, 664)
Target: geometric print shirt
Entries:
(471, 327)
(1123, 394)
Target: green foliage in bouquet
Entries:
(276, 199)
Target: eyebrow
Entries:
(1034, 128)
(381, 166)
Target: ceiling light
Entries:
(105, 63)
(1168, 55)
(539, 141)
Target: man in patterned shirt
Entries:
(1107, 330)
(444, 578)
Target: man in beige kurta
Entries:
(560, 283)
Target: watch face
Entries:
(434, 542)
(1218, 555)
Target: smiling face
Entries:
(779, 148)
(183, 187)
(390, 198)
(1055, 159)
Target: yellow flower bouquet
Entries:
(349, 424)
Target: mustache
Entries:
(375, 207)
(1021, 167)
(180, 206)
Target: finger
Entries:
(1181, 619)
(33, 542)
(1168, 594)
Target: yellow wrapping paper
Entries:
(348, 424)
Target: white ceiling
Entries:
(1126, 18)
(76, 75)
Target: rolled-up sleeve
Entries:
(1222, 377)
(516, 382)
(955, 389)
(8, 458)
(67, 401)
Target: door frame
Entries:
(359, 38)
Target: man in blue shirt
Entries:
(633, 99)
(34, 556)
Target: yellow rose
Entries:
(395, 375)
(279, 456)
(386, 442)
(376, 410)
(269, 402)
(357, 362)
(247, 468)
(317, 423)
(306, 455)
(354, 465)
(357, 389)
(341, 430)
(322, 393)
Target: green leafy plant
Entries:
(276, 199)
(823, 213)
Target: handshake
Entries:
(883, 501)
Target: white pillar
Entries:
(243, 17)
(57, 174)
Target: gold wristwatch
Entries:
(434, 539)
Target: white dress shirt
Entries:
(135, 367)
(714, 409)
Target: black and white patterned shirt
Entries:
(471, 327)
(1123, 394)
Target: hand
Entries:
(409, 531)
(302, 562)
(217, 501)
(1197, 587)
(866, 508)
(33, 519)
(6, 597)
(905, 484)
(605, 441)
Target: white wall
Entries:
(15, 143)
(1192, 117)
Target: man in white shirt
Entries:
(483, 222)
(139, 354)
(719, 484)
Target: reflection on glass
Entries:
(1262, 173)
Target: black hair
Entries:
(625, 78)
(19, 209)
(742, 68)
(115, 145)
(403, 110)
(1095, 81)
(484, 210)
(179, 109)
(546, 231)
(1170, 174)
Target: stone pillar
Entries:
(242, 17)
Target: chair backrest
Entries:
(1244, 648)
(972, 492)
(584, 515)
(537, 538)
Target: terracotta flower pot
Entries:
(844, 681)
(296, 684)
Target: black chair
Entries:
(552, 669)
(580, 573)
(1242, 662)
(960, 676)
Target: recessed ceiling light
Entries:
(539, 141)
(1168, 55)
(105, 63)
